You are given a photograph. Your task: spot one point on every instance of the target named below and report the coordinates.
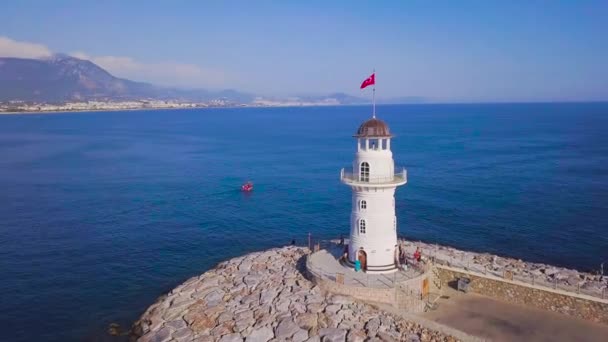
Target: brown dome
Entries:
(373, 128)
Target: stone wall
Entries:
(572, 304)
(406, 295)
(551, 276)
(361, 293)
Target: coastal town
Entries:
(86, 106)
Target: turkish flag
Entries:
(369, 81)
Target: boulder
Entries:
(332, 335)
(372, 326)
(164, 334)
(231, 338)
(262, 334)
(300, 336)
(307, 321)
(355, 335)
(286, 329)
(182, 334)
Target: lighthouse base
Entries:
(403, 287)
(372, 269)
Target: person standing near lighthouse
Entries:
(373, 180)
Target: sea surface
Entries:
(100, 213)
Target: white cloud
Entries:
(160, 73)
(12, 48)
(167, 73)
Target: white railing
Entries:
(399, 176)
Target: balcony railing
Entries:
(397, 178)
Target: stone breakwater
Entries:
(264, 297)
(533, 273)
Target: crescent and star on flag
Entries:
(371, 81)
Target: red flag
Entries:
(369, 81)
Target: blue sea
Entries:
(100, 213)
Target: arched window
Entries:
(364, 172)
(362, 204)
(361, 226)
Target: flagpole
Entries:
(374, 96)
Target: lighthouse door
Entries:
(363, 259)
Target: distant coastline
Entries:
(114, 109)
(253, 105)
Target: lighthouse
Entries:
(373, 180)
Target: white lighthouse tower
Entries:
(373, 224)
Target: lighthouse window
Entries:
(364, 172)
(363, 204)
(374, 144)
(361, 226)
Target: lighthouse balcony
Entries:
(399, 177)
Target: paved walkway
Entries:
(500, 321)
(325, 263)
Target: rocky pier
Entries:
(550, 276)
(264, 296)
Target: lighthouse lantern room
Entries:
(374, 178)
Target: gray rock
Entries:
(355, 335)
(231, 338)
(315, 307)
(551, 271)
(412, 338)
(286, 329)
(244, 314)
(345, 314)
(214, 298)
(332, 309)
(300, 336)
(220, 330)
(372, 326)
(332, 335)
(224, 317)
(307, 320)
(387, 337)
(176, 325)
(314, 339)
(298, 307)
(182, 301)
(574, 281)
(155, 323)
(262, 334)
(251, 299)
(244, 324)
(182, 334)
(282, 306)
(252, 279)
(173, 313)
(268, 295)
(164, 334)
(245, 266)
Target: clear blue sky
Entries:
(441, 50)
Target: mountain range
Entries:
(62, 78)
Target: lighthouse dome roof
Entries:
(375, 128)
